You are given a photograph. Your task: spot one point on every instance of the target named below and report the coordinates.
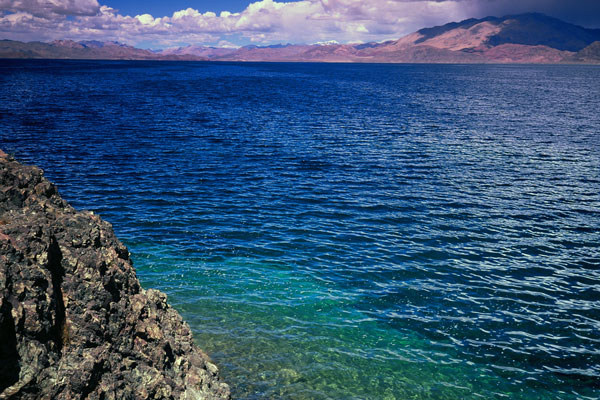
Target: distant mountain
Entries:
(532, 29)
(68, 49)
(515, 38)
(204, 52)
(523, 38)
(590, 54)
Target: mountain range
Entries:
(523, 38)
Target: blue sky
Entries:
(226, 23)
(168, 7)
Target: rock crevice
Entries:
(74, 321)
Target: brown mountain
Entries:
(204, 52)
(589, 54)
(90, 50)
(524, 38)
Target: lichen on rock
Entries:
(74, 321)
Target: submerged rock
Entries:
(74, 320)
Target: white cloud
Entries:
(147, 19)
(265, 21)
(51, 8)
(227, 45)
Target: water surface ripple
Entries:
(344, 231)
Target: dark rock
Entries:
(74, 320)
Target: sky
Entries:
(230, 23)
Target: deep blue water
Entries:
(344, 231)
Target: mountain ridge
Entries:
(521, 38)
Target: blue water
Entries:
(344, 231)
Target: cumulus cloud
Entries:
(51, 8)
(264, 21)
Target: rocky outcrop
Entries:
(74, 321)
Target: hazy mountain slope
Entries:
(462, 38)
(416, 54)
(14, 49)
(68, 49)
(519, 53)
(268, 53)
(590, 54)
(199, 51)
(538, 29)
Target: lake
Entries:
(343, 231)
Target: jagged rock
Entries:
(74, 320)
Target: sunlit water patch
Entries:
(344, 231)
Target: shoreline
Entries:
(74, 319)
(350, 62)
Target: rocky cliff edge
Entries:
(74, 320)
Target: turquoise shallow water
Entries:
(344, 231)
